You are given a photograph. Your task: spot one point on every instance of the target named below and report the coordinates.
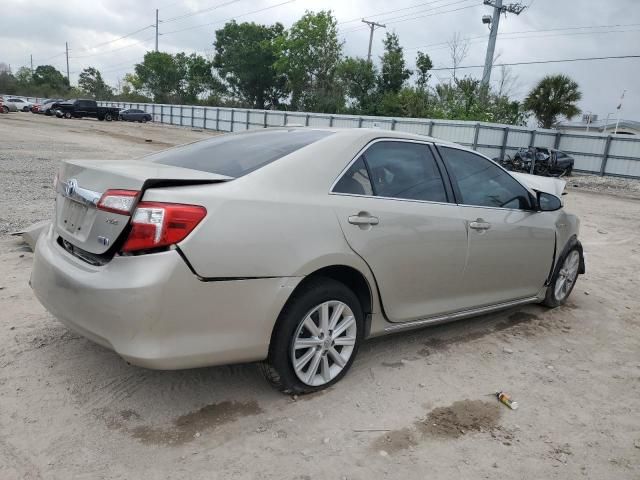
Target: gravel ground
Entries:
(619, 186)
(414, 405)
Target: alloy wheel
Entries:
(567, 275)
(323, 343)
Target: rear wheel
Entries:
(5, 109)
(108, 117)
(316, 338)
(564, 279)
(67, 115)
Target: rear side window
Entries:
(355, 181)
(405, 170)
(238, 155)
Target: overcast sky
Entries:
(547, 30)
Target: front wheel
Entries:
(316, 338)
(108, 117)
(564, 279)
(67, 115)
(5, 109)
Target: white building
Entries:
(591, 123)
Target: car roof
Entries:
(367, 134)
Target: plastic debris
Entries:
(504, 398)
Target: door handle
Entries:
(480, 224)
(363, 218)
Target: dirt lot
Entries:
(414, 405)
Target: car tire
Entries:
(564, 278)
(329, 353)
(108, 117)
(5, 109)
(144, 120)
(67, 115)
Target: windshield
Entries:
(237, 155)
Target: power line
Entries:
(198, 12)
(539, 62)
(228, 19)
(127, 35)
(391, 11)
(482, 37)
(414, 17)
(114, 49)
(54, 56)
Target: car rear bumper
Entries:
(154, 312)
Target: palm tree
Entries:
(553, 96)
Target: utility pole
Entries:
(619, 108)
(66, 44)
(498, 8)
(156, 29)
(372, 27)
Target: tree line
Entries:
(304, 68)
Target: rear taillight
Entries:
(118, 201)
(155, 225)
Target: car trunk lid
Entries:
(81, 183)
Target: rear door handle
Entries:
(480, 224)
(363, 219)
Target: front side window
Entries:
(481, 183)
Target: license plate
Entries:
(73, 215)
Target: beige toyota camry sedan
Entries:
(292, 246)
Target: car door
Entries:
(80, 108)
(395, 211)
(511, 246)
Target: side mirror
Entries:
(548, 202)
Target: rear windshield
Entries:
(237, 155)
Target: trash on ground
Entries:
(503, 397)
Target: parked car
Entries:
(135, 115)
(20, 103)
(7, 106)
(50, 106)
(39, 107)
(548, 162)
(85, 108)
(291, 246)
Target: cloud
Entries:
(93, 30)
